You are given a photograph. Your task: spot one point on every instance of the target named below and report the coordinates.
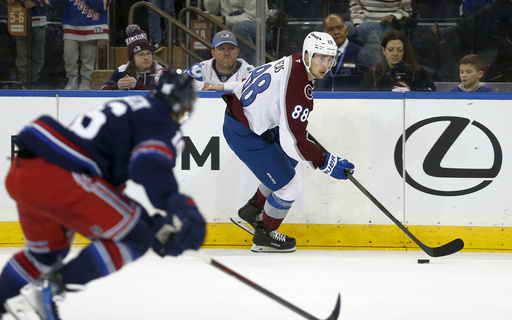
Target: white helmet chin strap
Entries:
(308, 66)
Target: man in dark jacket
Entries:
(352, 61)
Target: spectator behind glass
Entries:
(240, 16)
(471, 70)
(352, 61)
(37, 40)
(371, 19)
(469, 6)
(85, 28)
(139, 72)
(155, 31)
(224, 72)
(488, 31)
(399, 70)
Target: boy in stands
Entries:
(471, 70)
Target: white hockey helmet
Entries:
(318, 42)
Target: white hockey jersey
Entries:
(203, 73)
(279, 94)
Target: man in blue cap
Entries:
(225, 71)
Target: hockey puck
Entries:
(423, 261)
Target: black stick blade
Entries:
(336, 312)
(446, 249)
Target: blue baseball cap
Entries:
(224, 36)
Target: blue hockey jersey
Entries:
(84, 20)
(39, 15)
(131, 138)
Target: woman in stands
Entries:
(398, 70)
(141, 68)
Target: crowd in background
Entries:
(431, 42)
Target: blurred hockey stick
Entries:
(334, 315)
(444, 250)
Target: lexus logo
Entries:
(432, 162)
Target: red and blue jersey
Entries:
(84, 20)
(131, 138)
(39, 15)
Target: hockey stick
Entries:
(444, 250)
(334, 315)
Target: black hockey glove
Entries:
(183, 228)
(335, 167)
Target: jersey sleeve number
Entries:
(88, 124)
(255, 84)
(300, 113)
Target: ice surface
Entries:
(374, 285)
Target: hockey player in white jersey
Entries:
(266, 126)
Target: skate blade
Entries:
(242, 224)
(20, 309)
(263, 249)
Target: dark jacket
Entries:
(382, 78)
(144, 79)
(348, 75)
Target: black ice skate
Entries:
(248, 216)
(272, 241)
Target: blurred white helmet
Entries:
(321, 43)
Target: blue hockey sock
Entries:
(103, 257)
(97, 260)
(12, 279)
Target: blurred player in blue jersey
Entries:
(266, 126)
(71, 179)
